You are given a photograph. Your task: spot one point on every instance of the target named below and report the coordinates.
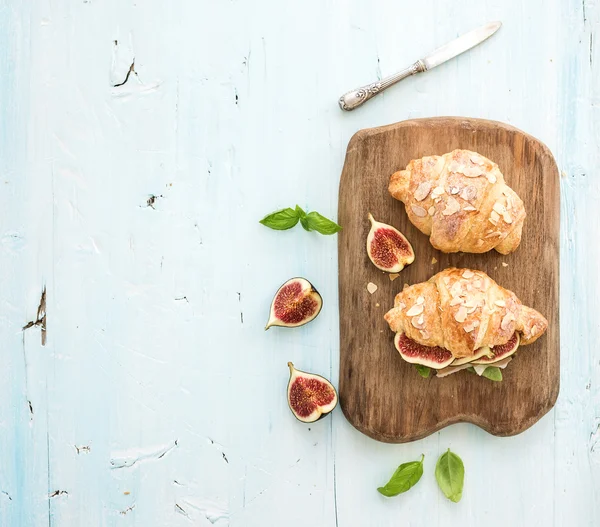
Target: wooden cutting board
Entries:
(382, 395)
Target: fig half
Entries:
(415, 353)
(296, 303)
(388, 248)
(310, 396)
(501, 352)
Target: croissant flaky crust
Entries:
(461, 201)
(463, 310)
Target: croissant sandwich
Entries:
(460, 200)
(459, 318)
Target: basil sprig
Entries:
(406, 476)
(284, 219)
(450, 475)
(424, 371)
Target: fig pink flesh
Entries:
(386, 245)
(413, 349)
(307, 394)
(293, 305)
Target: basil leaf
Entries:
(321, 224)
(300, 212)
(281, 220)
(450, 475)
(492, 373)
(406, 476)
(424, 371)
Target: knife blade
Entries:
(460, 45)
(354, 98)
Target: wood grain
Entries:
(380, 394)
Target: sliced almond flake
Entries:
(470, 171)
(468, 274)
(456, 300)
(454, 190)
(470, 327)
(431, 210)
(507, 217)
(477, 283)
(469, 208)
(509, 203)
(491, 178)
(421, 319)
(506, 320)
(504, 264)
(480, 243)
(446, 280)
(477, 159)
(424, 334)
(422, 190)
(461, 314)
(492, 234)
(494, 216)
(469, 193)
(377, 304)
(476, 323)
(433, 260)
(401, 305)
(452, 206)
(415, 322)
(534, 330)
(418, 211)
(493, 222)
(415, 310)
(371, 287)
(393, 276)
(469, 304)
(420, 300)
(499, 208)
(472, 310)
(500, 303)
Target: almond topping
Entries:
(504, 264)
(494, 216)
(401, 305)
(477, 159)
(469, 193)
(446, 280)
(415, 322)
(500, 303)
(480, 243)
(421, 319)
(452, 206)
(424, 334)
(506, 320)
(534, 330)
(469, 208)
(477, 284)
(507, 217)
(454, 190)
(491, 234)
(499, 208)
(418, 211)
(470, 327)
(468, 274)
(431, 210)
(491, 178)
(393, 276)
(371, 287)
(461, 314)
(420, 300)
(472, 310)
(456, 300)
(422, 190)
(417, 309)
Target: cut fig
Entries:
(388, 248)
(501, 352)
(415, 353)
(296, 303)
(310, 397)
(484, 351)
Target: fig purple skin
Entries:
(388, 248)
(310, 397)
(295, 303)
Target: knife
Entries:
(353, 99)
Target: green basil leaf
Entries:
(406, 476)
(281, 220)
(321, 224)
(450, 475)
(424, 371)
(492, 373)
(300, 212)
(304, 223)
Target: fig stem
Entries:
(291, 367)
(371, 218)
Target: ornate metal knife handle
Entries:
(353, 99)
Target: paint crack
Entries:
(40, 320)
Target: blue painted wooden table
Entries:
(140, 142)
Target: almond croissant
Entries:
(461, 201)
(462, 310)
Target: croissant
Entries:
(460, 315)
(461, 201)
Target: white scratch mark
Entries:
(130, 458)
